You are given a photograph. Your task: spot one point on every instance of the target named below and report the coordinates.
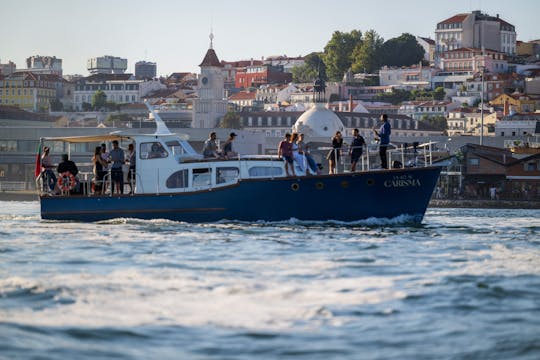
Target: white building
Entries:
(407, 78)
(475, 30)
(211, 105)
(119, 88)
(106, 65)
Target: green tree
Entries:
(338, 53)
(438, 122)
(438, 93)
(366, 55)
(313, 65)
(402, 51)
(99, 100)
(231, 120)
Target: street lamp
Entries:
(482, 70)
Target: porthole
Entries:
(295, 186)
(370, 182)
(345, 184)
(319, 186)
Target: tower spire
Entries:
(211, 38)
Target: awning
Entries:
(88, 139)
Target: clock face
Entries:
(204, 80)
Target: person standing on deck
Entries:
(117, 158)
(384, 139)
(356, 149)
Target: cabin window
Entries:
(178, 180)
(474, 161)
(265, 171)
(152, 150)
(226, 175)
(530, 166)
(175, 147)
(202, 177)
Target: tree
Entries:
(313, 65)
(338, 53)
(231, 120)
(366, 56)
(439, 93)
(99, 100)
(402, 51)
(86, 106)
(437, 122)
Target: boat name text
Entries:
(402, 181)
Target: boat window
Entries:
(177, 180)
(202, 177)
(226, 175)
(152, 150)
(175, 147)
(265, 171)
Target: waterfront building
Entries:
(406, 78)
(107, 65)
(44, 65)
(145, 70)
(516, 103)
(119, 88)
(285, 62)
(518, 125)
(468, 121)
(210, 106)
(471, 60)
(256, 75)
(8, 68)
(30, 91)
(243, 99)
(419, 109)
(475, 30)
(429, 48)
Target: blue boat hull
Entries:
(345, 197)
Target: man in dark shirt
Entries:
(67, 165)
(356, 148)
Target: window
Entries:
(530, 166)
(226, 175)
(202, 177)
(474, 162)
(175, 147)
(152, 150)
(264, 171)
(177, 180)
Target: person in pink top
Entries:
(285, 152)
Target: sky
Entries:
(175, 33)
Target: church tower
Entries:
(211, 105)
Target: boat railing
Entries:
(402, 155)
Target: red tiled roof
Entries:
(455, 19)
(243, 95)
(211, 59)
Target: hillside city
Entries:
(474, 87)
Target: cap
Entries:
(232, 134)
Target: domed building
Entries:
(318, 121)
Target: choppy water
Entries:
(463, 285)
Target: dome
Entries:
(318, 122)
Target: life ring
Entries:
(67, 181)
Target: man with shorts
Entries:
(285, 152)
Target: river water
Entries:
(463, 285)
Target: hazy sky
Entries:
(174, 33)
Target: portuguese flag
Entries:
(38, 161)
